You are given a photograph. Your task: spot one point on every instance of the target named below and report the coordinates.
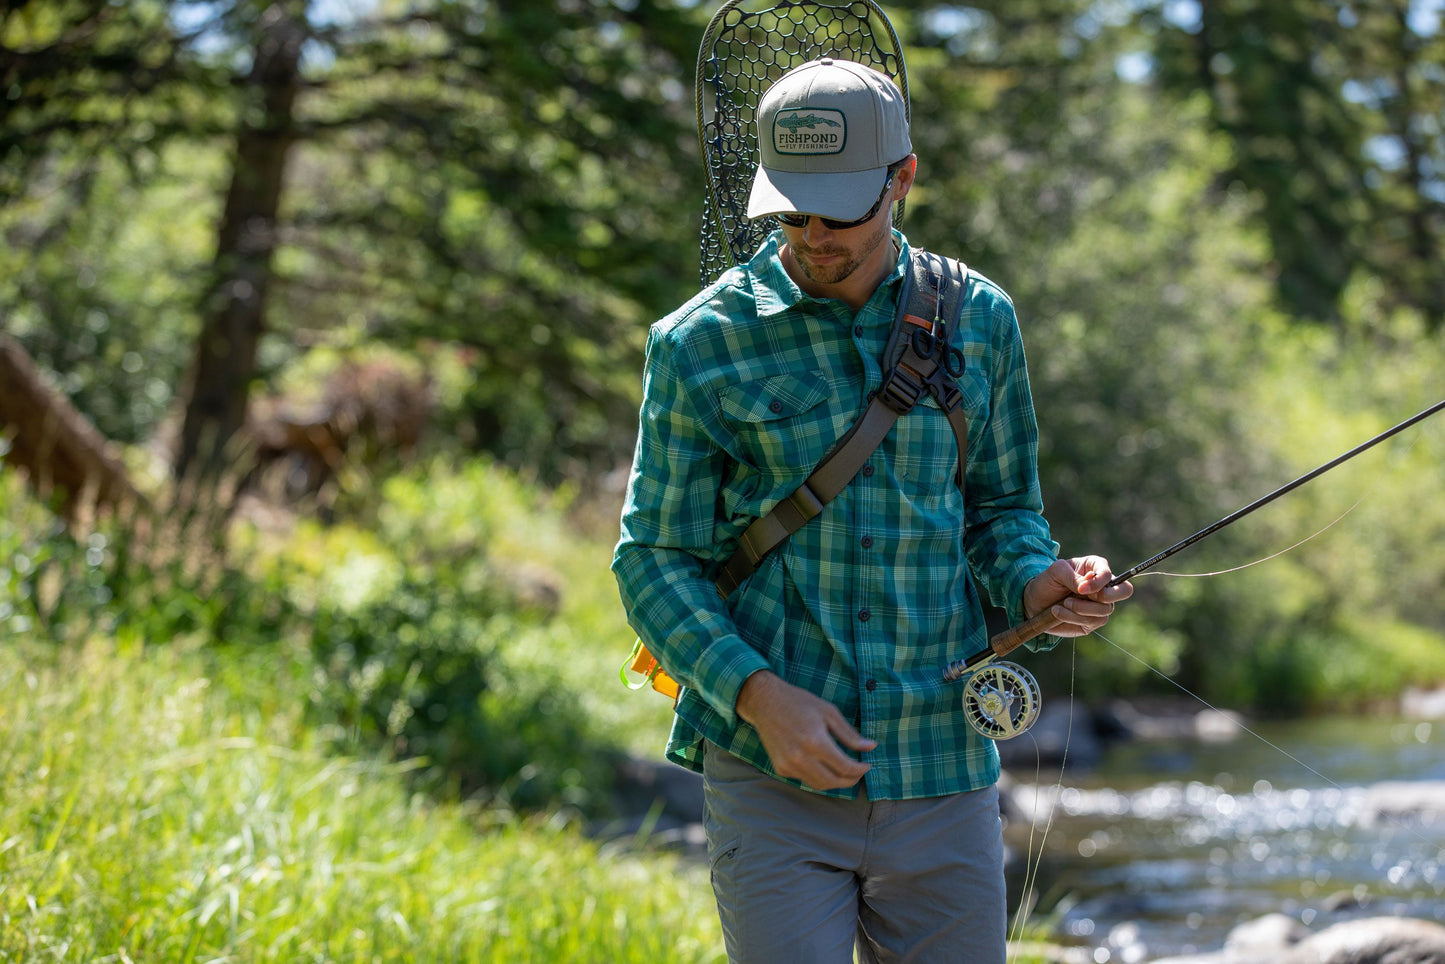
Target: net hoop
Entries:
(747, 46)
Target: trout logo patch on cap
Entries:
(809, 130)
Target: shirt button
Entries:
(776, 407)
(872, 395)
(864, 615)
(868, 469)
(858, 331)
(867, 542)
(872, 685)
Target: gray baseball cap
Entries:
(827, 131)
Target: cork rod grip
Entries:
(1011, 639)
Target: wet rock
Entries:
(1065, 728)
(1278, 939)
(1374, 940)
(1345, 900)
(1412, 800)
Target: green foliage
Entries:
(407, 646)
(104, 297)
(413, 621)
(1332, 109)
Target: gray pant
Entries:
(801, 878)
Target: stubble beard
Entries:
(831, 274)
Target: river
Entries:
(1162, 847)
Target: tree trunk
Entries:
(233, 314)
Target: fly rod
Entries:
(1001, 644)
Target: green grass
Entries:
(151, 812)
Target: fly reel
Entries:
(1001, 700)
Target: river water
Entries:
(1163, 847)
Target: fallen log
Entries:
(64, 457)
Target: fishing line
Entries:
(1187, 691)
(1005, 642)
(1398, 823)
(1379, 481)
(1033, 864)
(1273, 555)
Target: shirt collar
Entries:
(775, 292)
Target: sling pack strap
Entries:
(921, 359)
(939, 293)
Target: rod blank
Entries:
(1003, 643)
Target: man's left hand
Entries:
(1075, 589)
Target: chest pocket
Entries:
(779, 422)
(926, 451)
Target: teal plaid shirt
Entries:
(746, 387)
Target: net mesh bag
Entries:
(747, 46)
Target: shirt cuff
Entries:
(726, 664)
(1023, 570)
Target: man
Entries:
(848, 800)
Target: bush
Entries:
(402, 634)
(419, 672)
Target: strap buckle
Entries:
(901, 390)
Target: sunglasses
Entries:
(795, 220)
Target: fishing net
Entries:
(747, 46)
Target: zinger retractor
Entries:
(1001, 700)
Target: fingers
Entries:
(824, 765)
(846, 735)
(1079, 616)
(818, 761)
(1091, 600)
(801, 733)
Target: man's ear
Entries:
(904, 177)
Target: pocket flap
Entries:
(774, 397)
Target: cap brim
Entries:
(841, 196)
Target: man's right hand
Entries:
(802, 732)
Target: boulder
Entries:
(658, 803)
(1168, 719)
(1278, 939)
(1373, 940)
(1404, 800)
(1064, 732)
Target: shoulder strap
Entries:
(935, 311)
(918, 358)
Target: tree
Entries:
(233, 311)
(1395, 56)
(494, 175)
(1273, 74)
(1334, 111)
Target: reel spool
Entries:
(1001, 700)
